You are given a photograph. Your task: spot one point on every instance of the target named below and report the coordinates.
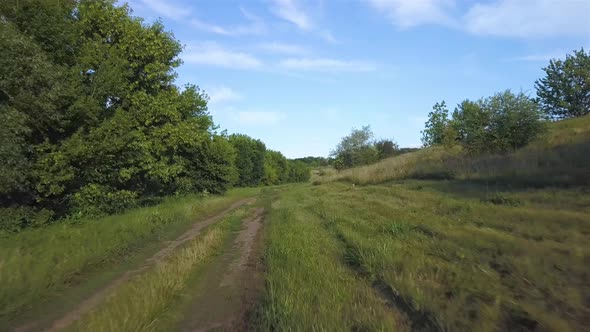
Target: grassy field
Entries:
(38, 265)
(437, 255)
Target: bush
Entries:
(13, 219)
(96, 200)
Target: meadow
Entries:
(427, 255)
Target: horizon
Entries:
(280, 70)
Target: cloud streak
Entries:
(215, 55)
(326, 65)
(289, 11)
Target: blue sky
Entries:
(299, 74)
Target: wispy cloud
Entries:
(283, 48)
(529, 18)
(410, 13)
(545, 57)
(223, 94)
(290, 11)
(326, 64)
(254, 26)
(257, 118)
(165, 9)
(215, 55)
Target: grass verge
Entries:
(40, 264)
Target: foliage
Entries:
(500, 123)
(564, 92)
(93, 120)
(386, 148)
(355, 149)
(438, 120)
(249, 159)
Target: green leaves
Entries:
(564, 92)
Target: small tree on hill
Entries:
(386, 148)
(435, 127)
(564, 92)
(355, 149)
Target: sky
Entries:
(300, 74)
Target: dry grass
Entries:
(560, 157)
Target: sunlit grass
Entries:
(37, 263)
(447, 253)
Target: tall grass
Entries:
(559, 157)
(446, 255)
(309, 287)
(136, 306)
(37, 263)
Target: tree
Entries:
(249, 159)
(438, 120)
(386, 148)
(564, 92)
(356, 149)
(500, 123)
(470, 123)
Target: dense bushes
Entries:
(500, 123)
(92, 120)
(359, 149)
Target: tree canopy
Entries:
(564, 92)
(93, 121)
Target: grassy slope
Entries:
(560, 157)
(427, 254)
(40, 264)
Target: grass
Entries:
(560, 157)
(438, 255)
(38, 264)
(137, 305)
(309, 286)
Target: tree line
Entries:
(500, 123)
(92, 121)
(507, 121)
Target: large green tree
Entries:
(93, 119)
(564, 92)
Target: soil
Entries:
(227, 293)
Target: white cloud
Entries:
(410, 13)
(165, 9)
(257, 118)
(283, 48)
(255, 26)
(215, 55)
(530, 18)
(289, 11)
(326, 64)
(223, 94)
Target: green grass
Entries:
(39, 264)
(138, 304)
(447, 255)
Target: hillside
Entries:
(561, 156)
